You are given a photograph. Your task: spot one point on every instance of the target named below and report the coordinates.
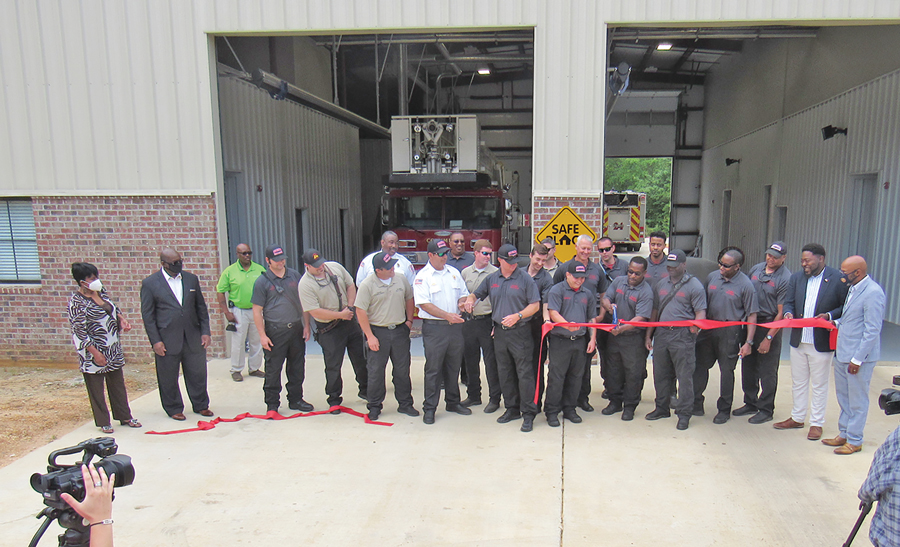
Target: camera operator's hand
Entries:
(97, 504)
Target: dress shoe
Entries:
(837, 441)
(491, 407)
(657, 414)
(459, 409)
(585, 406)
(552, 420)
(611, 409)
(236, 376)
(470, 402)
(408, 410)
(206, 412)
(627, 414)
(698, 411)
(302, 406)
(815, 433)
(257, 373)
(428, 418)
(604, 395)
(722, 416)
(788, 424)
(335, 411)
(847, 449)
(572, 416)
(760, 417)
(527, 423)
(683, 422)
(745, 410)
(509, 416)
(374, 414)
(180, 417)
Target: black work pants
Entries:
(288, 347)
(347, 336)
(539, 351)
(193, 365)
(720, 345)
(443, 356)
(513, 350)
(585, 391)
(625, 362)
(674, 358)
(759, 372)
(478, 341)
(393, 344)
(118, 397)
(564, 373)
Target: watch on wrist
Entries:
(520, 315)
(749, 342)
(768, 337)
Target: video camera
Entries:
(67, 478)
(889, 400)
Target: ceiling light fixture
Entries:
(664, 46)
(484, 71)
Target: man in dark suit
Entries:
(815, 291)
(177, 323)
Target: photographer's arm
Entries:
(97, 505)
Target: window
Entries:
(18, 243)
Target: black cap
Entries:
(438, 247)
(577, 269)
(777, 249)
(676, 257)
(383, 261)
(508, 253)
(275, 252)
(313, 258)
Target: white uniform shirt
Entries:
(443, 288)
(402, 267)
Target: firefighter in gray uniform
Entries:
(477, 332)
(514, 298)
(544, 282)
(759, 370)
(730, 296)
(568, 302)
(384, 309)
(628, 298)
(656, 260)
(679, 297)
(439, 292)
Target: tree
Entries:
(652, 176)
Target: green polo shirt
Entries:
(238, 283)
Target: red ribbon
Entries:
(270, 415)
(703, 324)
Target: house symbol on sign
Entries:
(565, 240)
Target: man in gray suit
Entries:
(858, 348)
(177, 322)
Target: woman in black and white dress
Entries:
(96, 323)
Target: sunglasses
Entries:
(458, 241)
(605, 249)
(726, 266)
(248, 253)
(485, 253)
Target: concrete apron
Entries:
(466, 480)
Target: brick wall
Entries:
(588, 208)
(122, 236)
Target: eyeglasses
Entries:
(632, 272)
(605, 249)
(457, 241)
(485, 253)
(247, 253)
(727, 266)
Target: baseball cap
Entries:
(676, 257)
(777, 249)
(275, 252)
(313, 258)
(383, 261)
(577, 269)
(438, 247)
(508, 252)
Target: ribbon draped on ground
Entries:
(270, 415)
(703, 324)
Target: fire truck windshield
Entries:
(445, 213)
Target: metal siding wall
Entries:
(812, 178)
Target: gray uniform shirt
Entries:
(466, 260)
(730, 299)
(508, 295)
(595, 282)
(278, 296)
(689, 299)
(771, 289)
(574, 306)
(631, 301)
(619, 268)
(656, 272)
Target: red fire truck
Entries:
(625, 219)
(443, 181)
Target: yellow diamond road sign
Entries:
(564, 228)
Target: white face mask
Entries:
(95, 285)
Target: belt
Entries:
(390, 327)
(292, 324)
(477, 317)
(764, 319)
(514, 327)
(437, 321)
(575, 337)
